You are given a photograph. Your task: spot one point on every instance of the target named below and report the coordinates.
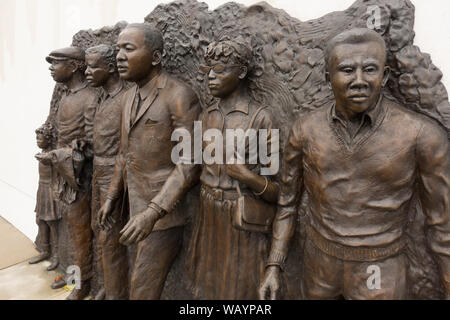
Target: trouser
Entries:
(110, 257)
(155, 256)
(48, 236)
(327, 277)
(78, 215)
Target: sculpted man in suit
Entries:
(152, 109)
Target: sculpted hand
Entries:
(139, 227)
(238, 171)
(271, 284)
(45, 158)
(104, 215)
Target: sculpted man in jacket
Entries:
(360, 161)
(110, 257)
(72, 158)
(152, 109)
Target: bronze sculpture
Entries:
(225, 262)
(72, 157)
(110, 257)
(152, 109)
(359, 161)
(47, 215)
(288, 75)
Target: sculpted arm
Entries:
(285, 220)
(433, 155)
(184, 111)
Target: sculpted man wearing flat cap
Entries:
(360, 161)
(73, 155)
(152, 109)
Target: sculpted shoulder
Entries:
(309, 122)
(412, 120)
(178, 90)
(91, 95)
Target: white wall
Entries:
(30, 29)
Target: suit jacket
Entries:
(144, 167)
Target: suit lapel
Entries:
(161, 83)
(146, 104)
(128, 105)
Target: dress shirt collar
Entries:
(242, 106)
(72, 91)
(373, 114)
(115, 93)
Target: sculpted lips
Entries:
(358, 97)
(121, 68)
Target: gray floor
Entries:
(18, 279)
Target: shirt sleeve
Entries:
(291, 183)
(433, 154)
(89, 116)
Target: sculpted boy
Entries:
(360, 160)
(152, 109)
(72, 157)
(110, 257)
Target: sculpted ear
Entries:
(387, 72)
(243, 72)
(73, 66)
(328, 79)
(111, 68)
(157, 57)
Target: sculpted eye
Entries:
(347, 70)
(370, 69)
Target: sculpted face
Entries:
(61, 70)
(41, 141)
(224, 78)
(357, 74)
(134, 60)
(97, 71)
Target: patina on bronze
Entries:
(288, 75)
(110, 257)
(225, 262)
(47, 214)
(72, 159)
(152, 109)
(359, 161)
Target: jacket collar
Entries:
(150, 91)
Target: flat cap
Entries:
(66, 53)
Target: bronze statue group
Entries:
(106, 168)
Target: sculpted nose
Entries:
(120, 56)
(211, 75)
(359, 82)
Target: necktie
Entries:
(135, 108)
